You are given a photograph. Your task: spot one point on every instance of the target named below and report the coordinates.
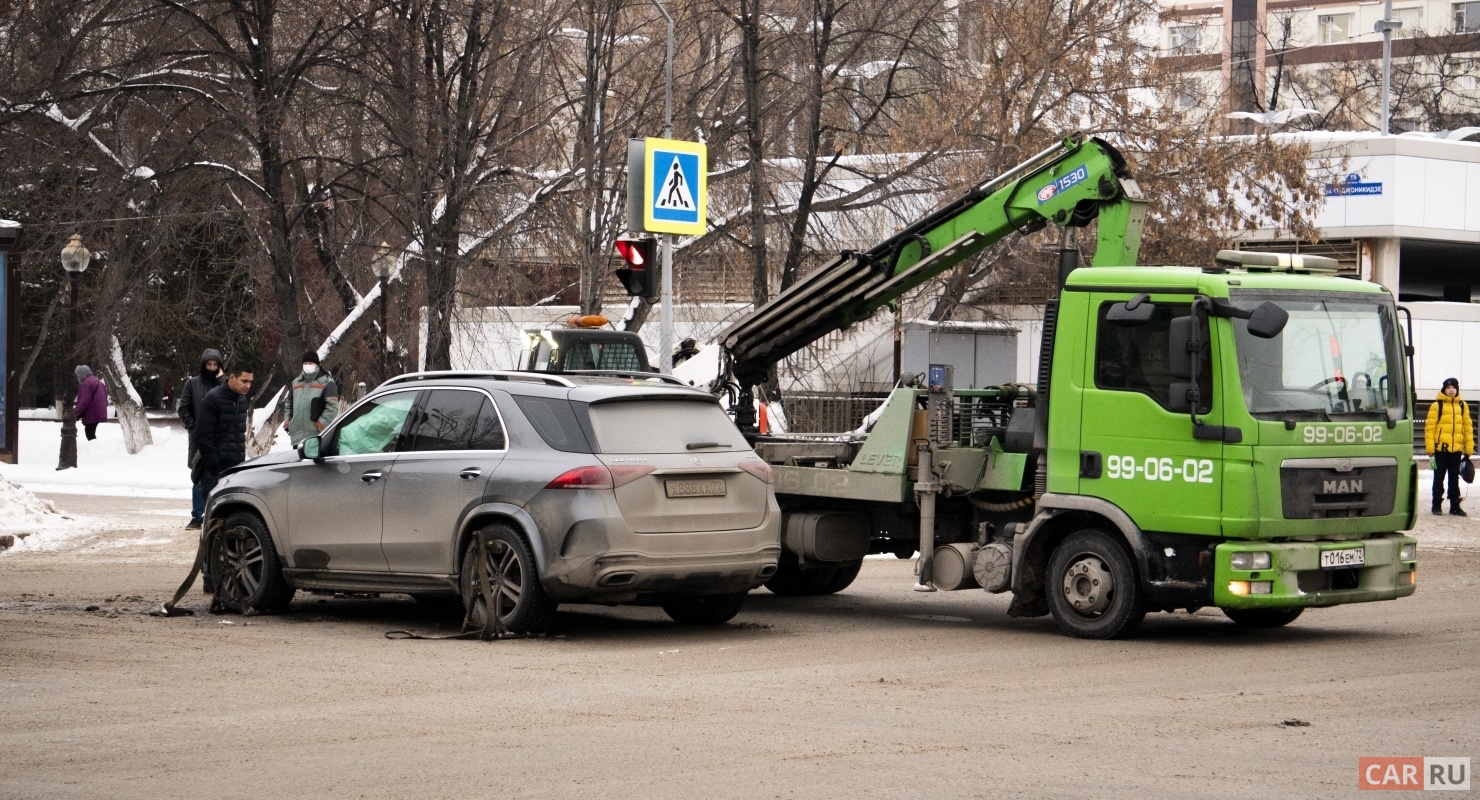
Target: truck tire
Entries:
(1262, 617)
(791, 580)
(246, 568)
(842, 577)
(522, 604)
(704, 609)
(1093, 589)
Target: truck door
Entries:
(1136, 448)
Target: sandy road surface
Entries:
(876, 692)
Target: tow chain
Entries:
(488, 588)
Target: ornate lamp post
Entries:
(384, 265)
(74, 261)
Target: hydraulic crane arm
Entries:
(1069, 184)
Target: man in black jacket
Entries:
(221, 428)
(209, 377)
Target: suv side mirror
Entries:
(1267, 320)
(311, 448)
(1138, 310)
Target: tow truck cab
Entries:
(1251, 469)
(583, 350)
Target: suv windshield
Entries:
(1338, 354)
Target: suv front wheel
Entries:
(520, 601)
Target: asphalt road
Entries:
(875, 692)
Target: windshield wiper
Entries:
(705, 445)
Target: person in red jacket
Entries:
(92, 401)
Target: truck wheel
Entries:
(521, 602)
(1262, 617)
(704, 609)
(1092, 587)
(793, 581)
(842, 577)
(245, 566)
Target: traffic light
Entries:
(640, 277)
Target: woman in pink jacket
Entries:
(92, 401)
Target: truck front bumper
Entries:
(1293, 574)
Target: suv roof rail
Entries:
(628, 374)
(497, 375)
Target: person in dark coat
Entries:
(207, 378)
(221, 428)
(92, 401)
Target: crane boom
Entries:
(1069, 184)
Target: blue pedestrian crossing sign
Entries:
(675, 186)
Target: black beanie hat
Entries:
(310, 357)
(1448, 382)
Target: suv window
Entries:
(555, 421)
(446, 420)
(488, 431)
(664, 426)
(374, 426)
(1135, 359)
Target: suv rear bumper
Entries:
(1295, 577)
(617, 576)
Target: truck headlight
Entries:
(1408, 552)
(1250, 560)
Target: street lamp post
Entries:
(384, 265)
(74, 261)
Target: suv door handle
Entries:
(372, 476)
(470, 473)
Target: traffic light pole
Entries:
(665, 316)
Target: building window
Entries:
(1336, 28)
(1412, 19)
(1184, 40)
(1466, 17)
(1186, 94)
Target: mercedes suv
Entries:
(609, 489)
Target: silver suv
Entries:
(590, 489)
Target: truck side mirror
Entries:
(1179, 396)
(1138, 310)
(1179, 339)
(311, 448)
(1267, 320)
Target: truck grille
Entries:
(1321, 488)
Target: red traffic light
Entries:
(633, 251)
(640, 276)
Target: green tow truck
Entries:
(1237, 435)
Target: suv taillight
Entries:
(621, 476)
(593, 477)
(758, 468)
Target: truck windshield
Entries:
(1340, 354)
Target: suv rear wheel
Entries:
(704, 609)
(520, 601)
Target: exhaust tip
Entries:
(767, 571)
(617, 579)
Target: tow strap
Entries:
(201, 554)
(488, 588)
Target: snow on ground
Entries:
(104, 467)
(22, 510)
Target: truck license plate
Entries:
(707, 488)
(1341, 559)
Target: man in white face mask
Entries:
(313, 402)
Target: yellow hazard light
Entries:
(1239, 588)
(1409, 578)
(588, 321)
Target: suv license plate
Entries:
(709, 488)
(1341, 559)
